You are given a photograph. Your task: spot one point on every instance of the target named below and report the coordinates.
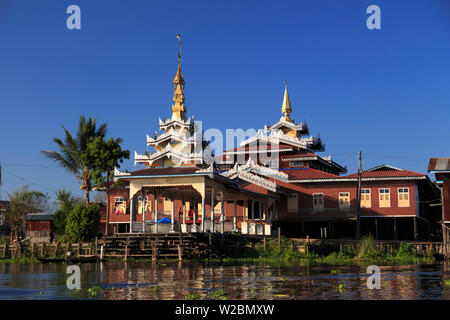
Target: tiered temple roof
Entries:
(181, 142)
(287, 131)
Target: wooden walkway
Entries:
(153, 246)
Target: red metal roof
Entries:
(386, 174)
(308, 173)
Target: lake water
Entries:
(147, 280)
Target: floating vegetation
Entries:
(218, 294)
(192, 296)
(94, 291)
(335, 271)
(155, 289)
(340, 287)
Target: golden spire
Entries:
(178, 109)
(286, 107)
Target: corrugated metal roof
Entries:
(439, 164)
(39, 216)
(386, 173)
(308, 173)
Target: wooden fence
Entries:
(46, 250)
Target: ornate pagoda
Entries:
(180, 142)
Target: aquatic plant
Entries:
(217, 294)
(192, 296)
(155, 289)
(334, 271)
(340, 287)
(406, 250)
(94, 291)
(367, 248)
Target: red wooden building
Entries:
(273, 179)
(38, 226)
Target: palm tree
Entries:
(71, 150)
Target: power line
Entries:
(28, 180)
(31, 165)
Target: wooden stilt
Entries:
(179, 253)
(395, 229)
(415, 229)
(377, 237)
(56, 249)
(279, 236)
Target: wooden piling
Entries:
(307, 245)
(279, 236)
(180, 258)
(154, 253)
(5, 248)
(56, 250)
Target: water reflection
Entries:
(147, 280)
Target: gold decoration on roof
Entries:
(286, 107)
(178, 108)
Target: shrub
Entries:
(82, 222)
(406, 250)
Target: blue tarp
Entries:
(164, 220)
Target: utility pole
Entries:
(358, 200)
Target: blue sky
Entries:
(385, 92)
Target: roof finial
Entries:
(178, 109)
(286, 107)
(179, 48)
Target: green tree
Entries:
(64, 205)
(82, 222)
(22, 202)
(70, 155)
(103, 156)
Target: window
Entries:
(271, 164)
(366, 201)
(318, 201)
(120, 206)
(148, 205)
(295, 164)
(385, 198)
(403, 197)
(344, 200)
(293, 202)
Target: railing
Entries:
(200, 225)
